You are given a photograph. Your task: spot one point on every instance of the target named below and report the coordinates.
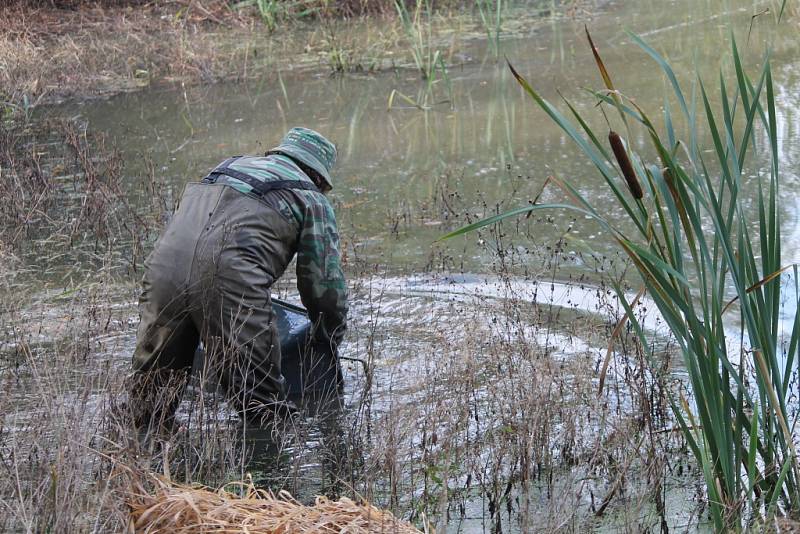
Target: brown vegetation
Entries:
(51, 50)
(49, 54)
(173, 508)
(62, 188)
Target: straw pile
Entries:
(175, 509)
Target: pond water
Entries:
(406, 176)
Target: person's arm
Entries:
(320, 279)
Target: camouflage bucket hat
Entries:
(310, 148)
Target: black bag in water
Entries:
(311, 371)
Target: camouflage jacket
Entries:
(320, 280)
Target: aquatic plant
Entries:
(273, 11)
(428, 60)
(491, 14)
(418, 29)
(426, 96)
(704, 261)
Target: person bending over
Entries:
(209, 277)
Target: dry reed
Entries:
(177, 509)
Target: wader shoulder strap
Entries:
(260, 187)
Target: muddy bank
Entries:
(54, 51)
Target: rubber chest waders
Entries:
(208, 280)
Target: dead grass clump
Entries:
(175, 509)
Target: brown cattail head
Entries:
(668, 176)
(625, 164)
(670, 179)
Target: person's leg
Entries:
(241, 341)
(165, 347)
(168, 336)
(244, 247)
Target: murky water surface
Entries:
(406, 176)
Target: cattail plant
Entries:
(704, 261)
(625, 164)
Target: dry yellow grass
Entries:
(49, 54)
(177, 509)
(52, 54)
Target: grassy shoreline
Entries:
(52, 54)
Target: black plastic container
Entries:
(312, 371)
